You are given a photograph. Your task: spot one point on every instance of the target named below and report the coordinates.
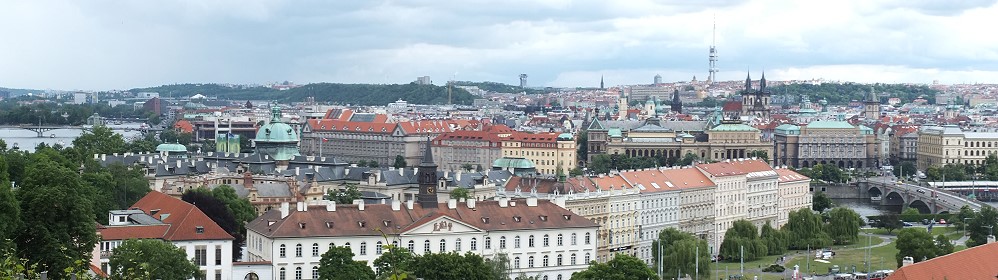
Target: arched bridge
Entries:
(42, 129)
(927, 200)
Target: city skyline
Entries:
(96, 45)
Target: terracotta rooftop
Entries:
(186, 221)
(787, 175)
(720, 169)
(688, 178)
(133, 231)
(972, 263)
(349, 220)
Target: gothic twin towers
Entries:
(755, 102)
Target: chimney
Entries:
(396, 205)
(96, 156)
(452, 203)
(401, 171)
(503, 202)
(301, 207)
(457, 176)
(532, 201)
(471, 203)
(408, 204)
(297, 171)
(285, 209)
(560, 201)
(360, 204)
(330, 206)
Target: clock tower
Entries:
(427, 197)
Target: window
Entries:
(587, 242)
(377, 248)
(348, 246)
(516, 242)
(443, 245)
(560, 242)
(412, 246)
(457, 245)
(298, 273)
(298, 250)
(573, 239)
(218, 274)
(315, 272)
(572, 259)
(546, 240)
(516, 262)
(545, 260)
(315, 249)
(558, 260)
(587, 258)
(488, 243)
(530, 261)
(218, 255)
(201, 255)
(363, 248)
(426, 246)
(283, 251)
(283, 274)
(331, 245)
(530, 241)
(474, 244)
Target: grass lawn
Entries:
(936, 230)
(845, 257)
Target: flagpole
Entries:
(320, 145)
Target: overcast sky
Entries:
(105, 44)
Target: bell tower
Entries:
(427, 197)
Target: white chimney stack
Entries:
(532, 201)
(452, 203)
(503, 202)
(330, 206)
(297, 171)
(408, 205)
(471, 203)
(360, 204)
(285, 209)
(301, 207)
(396, 205)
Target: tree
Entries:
(241, 208)
(583, 146)
(62, 232)
(399, 162)
(450, 265)
(804, 230)
(577, 171)
(910, 211)
(395, 263)
(680, 253)
(907, 167)
(741, 238)
(10, 209)
(345, 196)
(338, 264)
(373, 164)
(216, 210)
(763, 155)
(621, 267)
(688, 159)
(891, 222)
(915, 243)
(843, 225)
(460, 193)
(979, 227)
(820, 202)
(776, 241)
(966, 213)
(101, 140)
(467, 167)
(498, 266)
(943, 245)
(151, 259)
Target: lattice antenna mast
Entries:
(713, 54)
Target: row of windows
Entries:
(283, 275)
(545, 261)
(545, 242)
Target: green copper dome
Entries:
(276, 130)
(512, 163)
(171, 148)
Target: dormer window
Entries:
(301, 225)
(485, 220)
(387, 223)
(329, 224)
(516, 219)
(199, 229)
(543, 218)
(362, 223)
(567, 217)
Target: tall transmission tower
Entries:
(713, 55)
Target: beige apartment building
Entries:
(548, 151)
(794, 194)
(353, 141)
(948, 144)
(456, 150)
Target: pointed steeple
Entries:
(427, 154)
(762, 82)
(601, 82)
(748, 82)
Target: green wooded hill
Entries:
(846, 92)
(498, 87)
(358, 94)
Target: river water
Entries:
(27, 140)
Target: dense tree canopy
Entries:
(820, 202)
(776, 240)
(356, 94)
(62, 232)
(805, 229)
(102, 140)
(981, 225)
(151, 259)
(219, 213)
(338, 264)
(11, 112)
(460, 193)
(344, 196)
(742, 241)
(680, 253)
(450, 265)
(919, 244)
(621, 267)
(843, 225)
(825, 172)
(843, 93)
(395, 263)
(10, 209)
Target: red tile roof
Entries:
(184, 126)
(972, 263)
(787, 175)
(183, 217)
(349, 220)
(688, 178)
(133, 231)
(719, 169)
(749, 166)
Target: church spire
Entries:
(762, 82)
(601, 82)
(748, 82)
(428, 154)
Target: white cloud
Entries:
(112, 44)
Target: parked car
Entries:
(942, 221)
(926, 222)
(907, 224)
(920, 191)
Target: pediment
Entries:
(440, 224)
